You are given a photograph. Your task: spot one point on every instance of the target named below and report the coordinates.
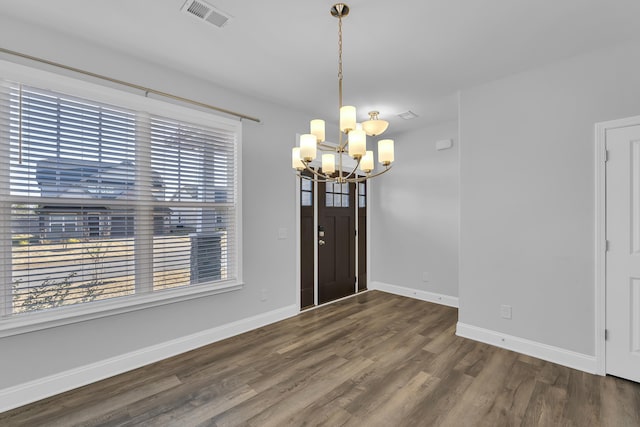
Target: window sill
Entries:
(30, 322)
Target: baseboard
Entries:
(32, 391)
(546, 352)
(415, 293)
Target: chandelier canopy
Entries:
(352, 138)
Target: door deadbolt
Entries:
(321, 242)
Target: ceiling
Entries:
(398, 55)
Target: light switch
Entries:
(282, 233)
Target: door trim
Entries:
(600, 235)
(298, 281)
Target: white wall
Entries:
(268, 204)
(414, 215)
(527, 207)
(528, 194)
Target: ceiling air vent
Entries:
(205, 12)
(408, 115)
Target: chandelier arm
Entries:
(369, 176)
(354, 169)
(347, 180)
(311, 178)
(340, 75)
(326, 147)
(342, 145)
(340, 154)
(313, 171)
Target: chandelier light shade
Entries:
(352, 137)
(385, 151)
(296, 163)
(317, 129)
(328, 163)
(347, 118)
(308, 147)
(357, 143)
(366, 164)
(374, 126)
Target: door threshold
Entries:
(313, 307)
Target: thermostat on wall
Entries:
(444, 144)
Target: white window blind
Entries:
(100, 202)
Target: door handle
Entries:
(321, 242)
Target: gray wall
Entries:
(528, 195)
(268, 204)
(414, 214)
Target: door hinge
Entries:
(606, 334)
(606, 155)
(607, 245)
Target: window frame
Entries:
(28, 322)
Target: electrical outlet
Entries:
(425, 276)
(505, 311)
(263, 295)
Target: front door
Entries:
(623, 256)
(336, 241)
(333, 245)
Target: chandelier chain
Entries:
(340, 60)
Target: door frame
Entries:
(601, 236)
(315, 243)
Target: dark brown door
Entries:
(336, 241)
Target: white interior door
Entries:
(623, 256)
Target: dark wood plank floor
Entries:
(372, 360)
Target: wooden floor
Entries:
(372, 360)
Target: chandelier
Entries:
(352, 138)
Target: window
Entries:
(337, 195)
(362, 194)
(101, 202)
(306, 192)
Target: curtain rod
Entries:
(131, 85)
